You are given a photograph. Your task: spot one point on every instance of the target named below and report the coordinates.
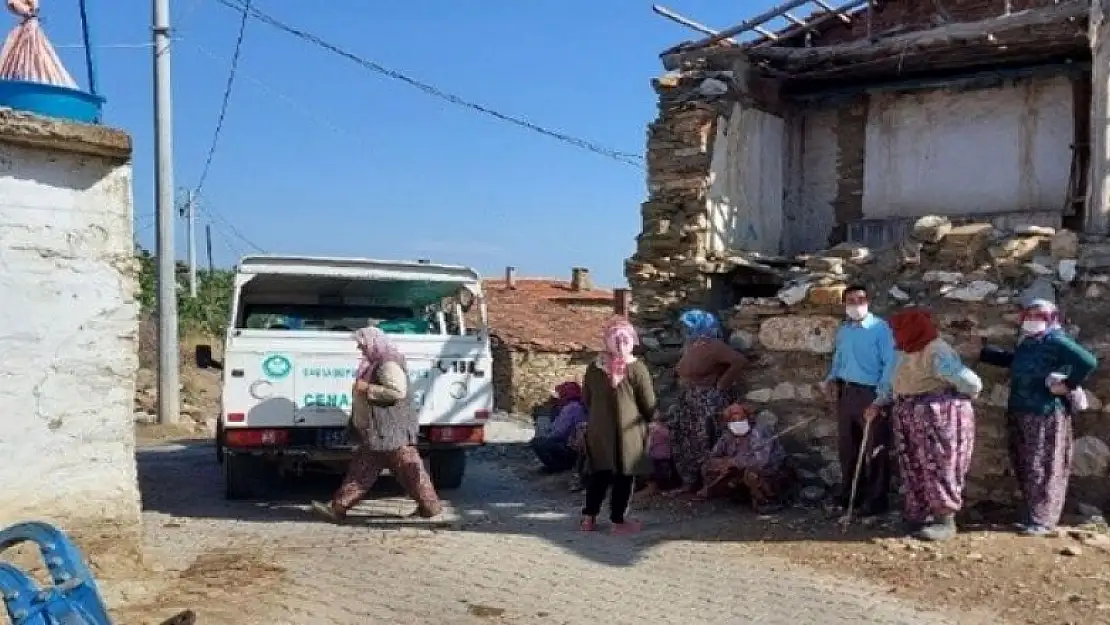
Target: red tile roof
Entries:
(546, 315)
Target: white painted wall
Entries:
(68, 322)
(969, 152)
(746, 182)
(810, 216)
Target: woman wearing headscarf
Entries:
(555, 448)
(707, 370)
(1046, 370)
(620, 399)
(385, 427)
(934, 424)
(747, 462)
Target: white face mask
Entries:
(739, 428)
(1034, 326)
(857, 312)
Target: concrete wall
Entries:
(969, 152)
(69, 319)
(745, 195)
(884, 159)
(812, 183)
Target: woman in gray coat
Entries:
(386, 428)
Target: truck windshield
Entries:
(326, 318)
(327, 304)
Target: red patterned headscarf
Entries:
(913, 330)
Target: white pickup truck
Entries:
(289, 363)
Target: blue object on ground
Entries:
(73, 599)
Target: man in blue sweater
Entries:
(859, 382)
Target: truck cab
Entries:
(289, 362)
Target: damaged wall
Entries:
(969, 152)
(972, 278)
(70, 319)
(746, 182)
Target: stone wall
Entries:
(665, 273)
(972, 277)
(525, 379)
(68, 351)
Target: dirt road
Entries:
(508, 553)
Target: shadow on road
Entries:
(498, 496)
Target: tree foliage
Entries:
(207, 313)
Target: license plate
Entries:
(334, 438)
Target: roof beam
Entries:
(688, 23)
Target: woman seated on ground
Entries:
(663, 476)
(554, 448)
(746, 463)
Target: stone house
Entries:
(69, 319)
(544, 331)
(943, 153)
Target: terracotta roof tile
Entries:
(546, 315)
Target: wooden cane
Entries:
(847, 520)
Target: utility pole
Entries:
(169, 405)
(190, 211)
(208, 248)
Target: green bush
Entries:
(206, 314)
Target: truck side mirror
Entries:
(205, 360)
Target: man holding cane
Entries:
(858, 384)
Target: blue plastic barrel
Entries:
(51, 101)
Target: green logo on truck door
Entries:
(276, 367)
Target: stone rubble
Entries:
(973, 278)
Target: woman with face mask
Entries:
(934, 424)
(1046, 370)
(746, 463)
(708, 369)
(619, 397)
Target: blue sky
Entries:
(320, 156)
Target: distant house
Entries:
(544, 331)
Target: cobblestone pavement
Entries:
(507, 554)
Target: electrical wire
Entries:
(635, 160)
(235, 56)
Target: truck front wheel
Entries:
(447, 468)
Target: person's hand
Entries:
(828, 389)
(361, 386)
(871, 413)
(1059, 388)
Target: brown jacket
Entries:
(617, 431)
(382, 416)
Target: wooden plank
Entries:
(687, 22)
(986, 31)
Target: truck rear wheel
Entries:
(243, 476)
(447, 468)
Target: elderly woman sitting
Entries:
(746, 463)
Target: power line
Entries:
(231, 227)
(304, 110)
(636, 160)
(227, 96)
